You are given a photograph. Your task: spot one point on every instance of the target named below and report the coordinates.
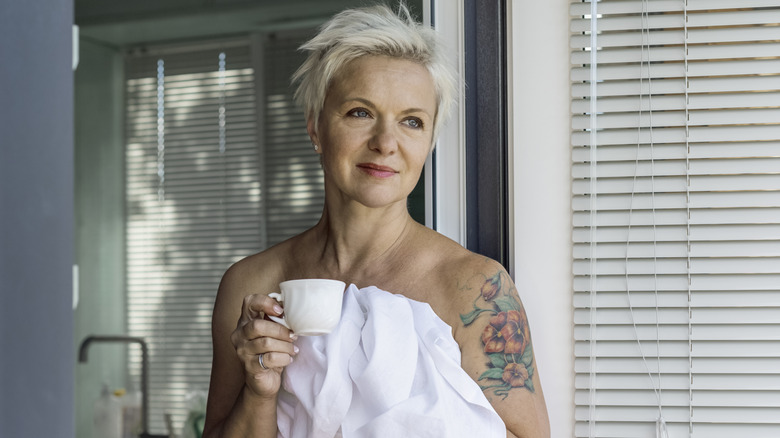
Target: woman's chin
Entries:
(380, 200)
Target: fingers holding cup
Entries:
(274, 360)
(256, 306)
(265, 329)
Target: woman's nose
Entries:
(384, 139)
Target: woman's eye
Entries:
(414, 123)
(359, 112)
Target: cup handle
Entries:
(278, 297)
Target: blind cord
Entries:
(661, 430)
(688, 220)
(593, 211)
(162, 217)
(221, 131)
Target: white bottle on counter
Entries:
(106, 415)
(130, 413)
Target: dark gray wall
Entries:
(36, 219)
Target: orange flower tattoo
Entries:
(506, 337)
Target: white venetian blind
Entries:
(293, 173)
(193, 206)
(676, 200)
(203, 192)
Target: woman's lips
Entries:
(377, 170)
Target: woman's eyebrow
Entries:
(358, 99)
(415, 110)
(369, 103)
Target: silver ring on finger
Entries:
(260, 358)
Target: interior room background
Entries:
(648, 261)
(190, 155)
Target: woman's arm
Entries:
(242, 395)
(496, 348)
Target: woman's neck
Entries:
(358, 238)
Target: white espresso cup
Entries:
(312, 306)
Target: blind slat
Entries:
(654, 6)
(675, 19)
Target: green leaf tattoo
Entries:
(506, 304)
(506, 338)
(468, 318)
(491, 373)
(497, 360)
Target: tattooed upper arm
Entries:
(506, 336)
(497, 351)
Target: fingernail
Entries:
(296, 349)
(278, 310)
(293, 336)
(291, 359)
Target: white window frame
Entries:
(540, 212)
(445, 170)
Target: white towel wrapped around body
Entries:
(391, 368)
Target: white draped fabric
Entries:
(391, 368)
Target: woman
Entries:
(375, 90)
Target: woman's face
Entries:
(375, 130)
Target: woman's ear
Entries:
(313, 135)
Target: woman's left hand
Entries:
(263, 347)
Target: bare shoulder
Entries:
(253, 274)
(493, 332)
(448, 268)
(456, 269)
(256, 274)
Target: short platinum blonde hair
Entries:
(374, 30)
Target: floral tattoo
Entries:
(506, 338)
